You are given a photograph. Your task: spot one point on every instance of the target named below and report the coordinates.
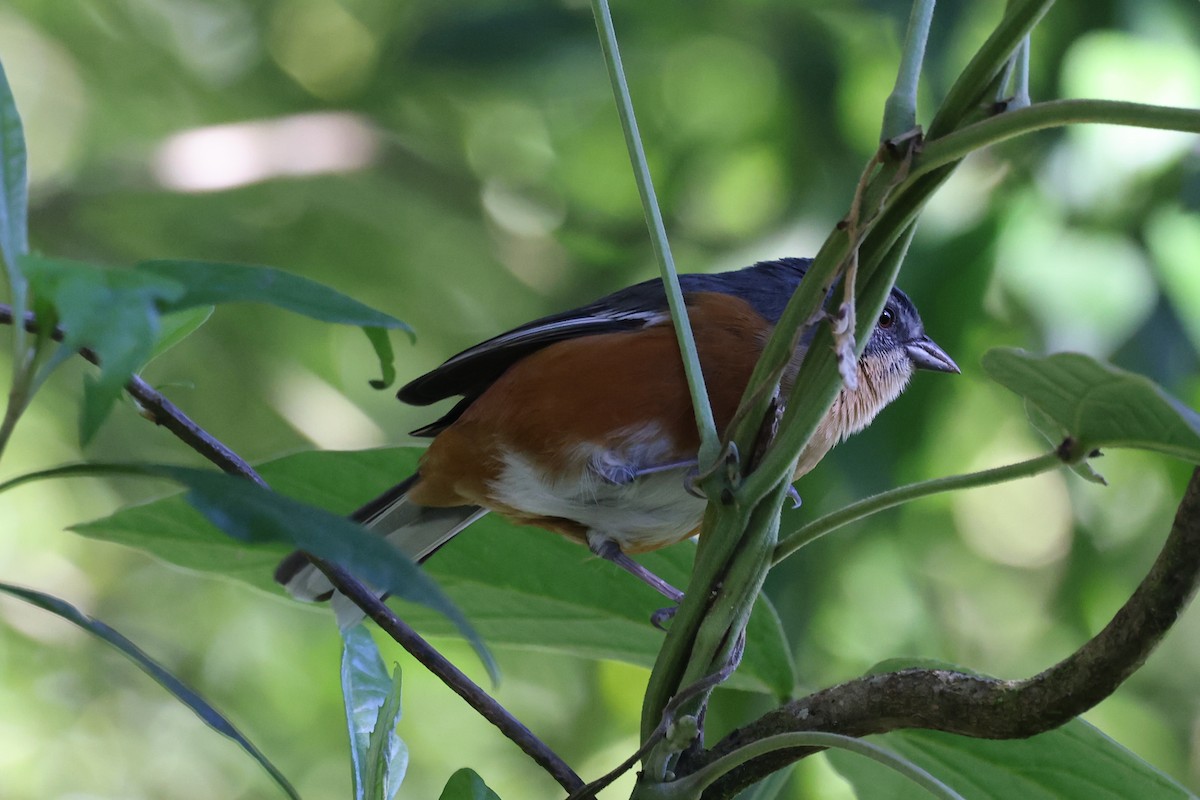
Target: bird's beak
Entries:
(925, 354)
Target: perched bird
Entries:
(581, 422)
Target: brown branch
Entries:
(982, 707)
(163, 412)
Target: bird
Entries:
(581, 422)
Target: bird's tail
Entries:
(417, 531)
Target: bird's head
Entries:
(899, 345)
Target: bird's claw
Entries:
(663, 615)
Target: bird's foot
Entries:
(619, 472)
(662, 616)
(797, 500)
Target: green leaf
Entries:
(372, 701)
(116, 313)
(14, 182)
(520, 587)
(210, 282)
(1097, 404)
(467, 785)
(1054, 434)
(387, 358)
(1074, 761)
(209, 715)
(771, 787)
(112, 311)
(255, 515)
(177, 326)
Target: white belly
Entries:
(647, 512)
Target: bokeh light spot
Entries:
(1120, 66)
(717, 86)
(1088, 290)
(226, 156)
(1019, 524)
(737, 194)
(1174, 239)
(322, 46)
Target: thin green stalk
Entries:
(682, 645)
(22, 390)
(19, 288)
(900, 109)
(891, 203)
(709, 438)
(693, 786)
(1020, 96)
(904, 494)
(1051, 114)
(965, 95)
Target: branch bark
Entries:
(982, 707)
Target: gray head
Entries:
(899, 340)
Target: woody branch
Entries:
(981, 707)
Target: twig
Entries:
(983, 707)
(163, 412)
(817, 528)
(900, 109)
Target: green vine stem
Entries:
(693, 786)
(709, 438)
(904, 494)
(963, 100)
(954, 146)
(892, 201)
(900, 109)
(895, 216)
(1020, 96)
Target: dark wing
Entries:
(767, 286)
(470, 372)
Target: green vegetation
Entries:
(462, 168)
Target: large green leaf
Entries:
(117, 313)
(211, 282)
(14, 199)
(1097, 404)
(201, 707)
(372, 699)
(1074, 761)
(519, 586)
(467, 785)
(254, 515)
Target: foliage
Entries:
(502, 177)
(1074, 761)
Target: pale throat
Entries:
(880, 381)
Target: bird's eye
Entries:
(887, 319)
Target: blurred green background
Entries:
(460, 166)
